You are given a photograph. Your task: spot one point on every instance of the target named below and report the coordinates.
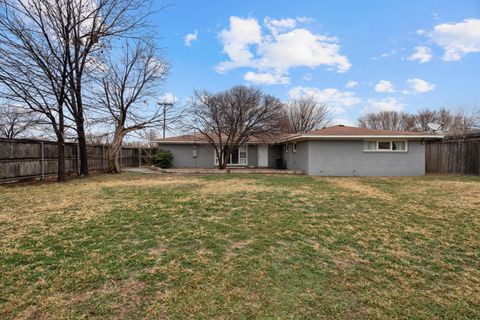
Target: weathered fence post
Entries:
(42, 160)
(139, 157)
(103, 158)
(78, 158)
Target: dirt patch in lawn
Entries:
(356, 186)
(461, 194)
(232, 251)
(233, 186)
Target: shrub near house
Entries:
(163, 158)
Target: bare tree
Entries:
(148, 135)
(227, 119)
(388, 120)
(14, 121)
(127, 85)
(426, 116)
(453, 123)
(304, 114)
(91, 26)
(70, 33)
(33, 68)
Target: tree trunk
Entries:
(60, 133)
(113, 151)
(82, 145)
(222, 165)
(61, 160)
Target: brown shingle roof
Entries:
(339, 131)
(200, 138)
(342, 130)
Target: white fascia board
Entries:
(201, 142)
(351, 137)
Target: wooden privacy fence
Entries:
(453, 157)
(31, 159)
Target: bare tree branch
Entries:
(127, 85)
(228, 119)
(304, 114)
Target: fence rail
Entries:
(32, 159)
(453, 157)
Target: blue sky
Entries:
(355, 56)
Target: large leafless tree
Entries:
(304, 114)
(229, 118)
(388, 120)
(130, 85)
(33, 66)
(64, 39)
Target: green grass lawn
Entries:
(138, 246)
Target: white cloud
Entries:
(266, 78)
(335, 99)
(421, 32)
(384, 86)
(283, 47)
(279, 25)
(236, 42)
(351, 84)
(305, 19)
(343, 121)
(386, 104)
(422, 54)
(388, 54)
(457, 39)
(300, 47)
(418, 86)
(189, 38)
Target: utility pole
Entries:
(165, 106)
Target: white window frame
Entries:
(294, 147)
(386, 150)
(286, 147)
(215, 158)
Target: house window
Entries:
(237, 157)
(286, 147)
(385, 146)
(294, 147)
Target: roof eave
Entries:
(360, 137)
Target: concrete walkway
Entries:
(154, 170)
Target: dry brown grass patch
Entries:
(231, 251)
(233, 186)
(356, 186)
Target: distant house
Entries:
(333, 151)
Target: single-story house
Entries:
(334, 151)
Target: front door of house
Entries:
(263, 155)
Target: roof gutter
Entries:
(359, 137)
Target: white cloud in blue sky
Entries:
(384, 86)
(384, 104)
(276, 48)
(418, 86)
(421, 54)
(457, 39)
(190, 37)
(337, 100)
